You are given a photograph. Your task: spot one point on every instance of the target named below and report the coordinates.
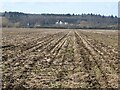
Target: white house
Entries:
(60, 22)
(66, 23)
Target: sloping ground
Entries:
(59, 59)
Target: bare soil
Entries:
(59, 58)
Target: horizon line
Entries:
(61, 13)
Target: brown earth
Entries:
(59, 58)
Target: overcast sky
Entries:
(59, 0)
(103, 7)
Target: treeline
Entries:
(19, 19)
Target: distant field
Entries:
(59, 58)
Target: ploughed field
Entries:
(59, 58)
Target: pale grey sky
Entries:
(59, 1)
(73, 6)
